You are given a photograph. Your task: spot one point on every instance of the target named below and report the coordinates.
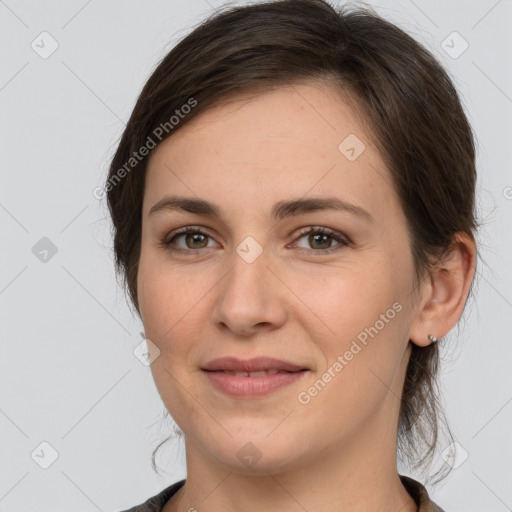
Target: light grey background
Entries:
(68, 375)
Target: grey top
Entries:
(414, 488)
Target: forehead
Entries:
(288, 142)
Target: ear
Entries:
(443, 296)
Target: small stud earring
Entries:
(432, 338)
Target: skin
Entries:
(293, 302)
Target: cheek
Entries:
(362, 331)
(361, 364)
(171, 300)
(170, 303)
(348, 299)
(157, 297)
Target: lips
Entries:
(254, 367)
(252, 378)
(260, 373)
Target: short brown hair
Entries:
(411, 106)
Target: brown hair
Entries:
(408, 100)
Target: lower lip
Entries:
(251, 386)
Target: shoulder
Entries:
(420, 495)
(157, 502)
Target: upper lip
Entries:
(251, 365)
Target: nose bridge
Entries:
(248, 273)
(249, 294)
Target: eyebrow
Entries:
(280, 210)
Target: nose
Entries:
(251, 298)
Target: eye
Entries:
(320, 239)
(193, 238)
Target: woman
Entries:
(293, 210)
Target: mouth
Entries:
(256, 364)
(259, 373)
(253, 377)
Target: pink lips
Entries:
(227, 375)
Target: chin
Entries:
(255, 453)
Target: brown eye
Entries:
(193, 240)
(319, 239)
(323, 241)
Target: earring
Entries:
(432, 338)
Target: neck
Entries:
(358, 475)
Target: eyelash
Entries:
(343, 241)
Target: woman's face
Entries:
(249, 283)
